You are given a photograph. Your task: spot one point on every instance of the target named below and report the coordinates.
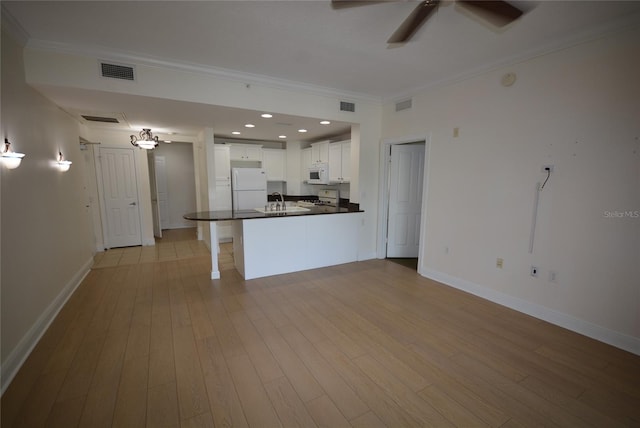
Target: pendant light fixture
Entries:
(10, 158)
(146, 140)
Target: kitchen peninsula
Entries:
(276, 242)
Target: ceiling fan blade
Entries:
(344, 4)
(410, 25)
(499, 13)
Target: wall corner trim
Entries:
(602, 334)
(21, 352)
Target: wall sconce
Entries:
(63, 165)
(146, 140)
(10, 158)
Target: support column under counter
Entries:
(215, 250)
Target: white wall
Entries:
(47, 237)
(577, 109)
(180, 183)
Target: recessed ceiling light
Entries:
(236, 132)
(249, 125)
(266, 115)
(325, 122)
(302, 130)
(168, 141)
(282, 136)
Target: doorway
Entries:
(403, 189)
(159, 198)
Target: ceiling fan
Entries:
(499, 13)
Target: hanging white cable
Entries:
(547, 169)
(535, 217)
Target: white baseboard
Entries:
(18, 356)
(367, 256)
(178, 226)
(586, 328)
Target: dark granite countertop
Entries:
(251, 214)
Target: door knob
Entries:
(133, 204)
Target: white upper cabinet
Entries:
(340, 162)
(306, 160)
(274, 162)
(246, 152)
(320, 152)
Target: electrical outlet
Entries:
(534, 271)
(499, 262)
(553, 276)
(546, 168)
(456, 132)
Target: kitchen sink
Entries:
(290, 209)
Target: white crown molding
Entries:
(104, 53)
(11, 26)
(618, 26)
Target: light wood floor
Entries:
(175, 244)
(365, 344)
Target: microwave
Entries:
(318, 174)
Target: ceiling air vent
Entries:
(347, 106)
(100, 119)
(404, 105)
(115, 71)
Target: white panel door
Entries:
(405, 199)
(122, 207)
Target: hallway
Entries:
(175, 244)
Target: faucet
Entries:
(284, 207)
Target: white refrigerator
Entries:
(249, 187)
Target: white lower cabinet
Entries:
(272, 246)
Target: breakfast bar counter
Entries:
(276, 242)
(253, 214)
